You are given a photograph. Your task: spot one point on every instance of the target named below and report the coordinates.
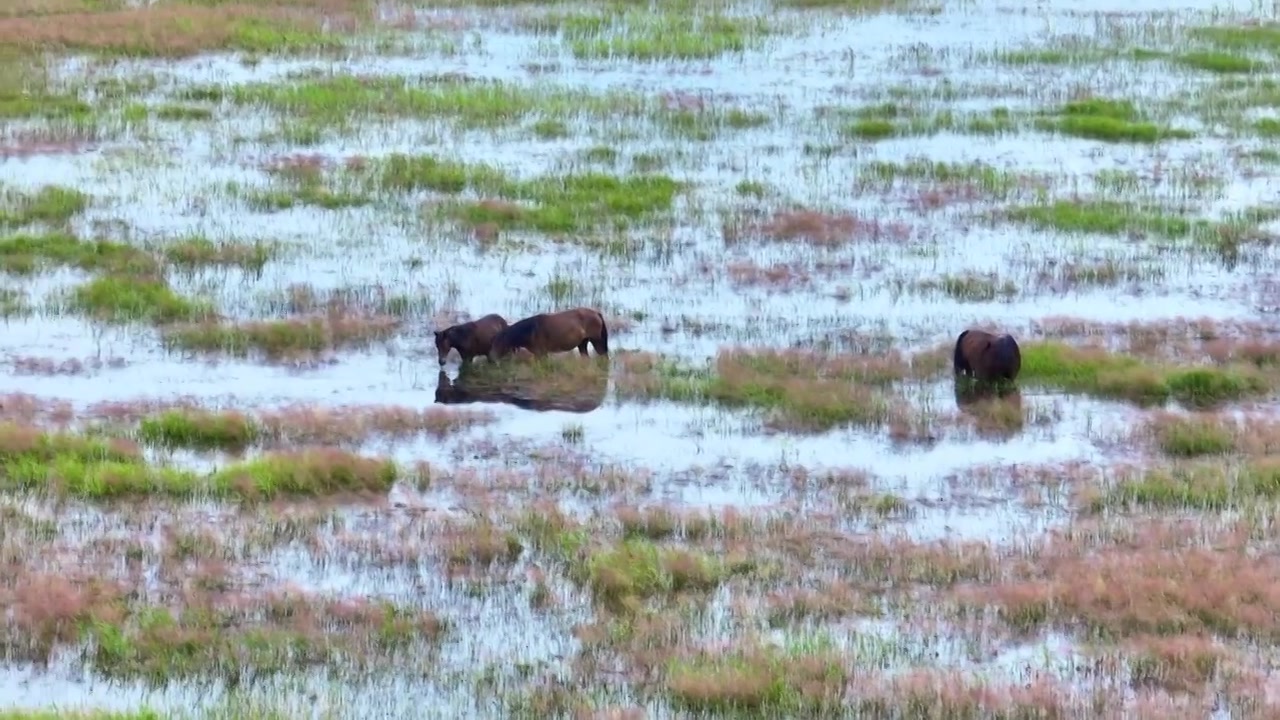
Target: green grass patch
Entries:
(1105, 217)
(27, 92)
(1107, 120)
(1065, 52)
(25, 254)
(1267, 127)
(273, 636)
(199, 430)
(409, 173)
(1263, 37)
(560, 204)
(990, 180)
(1108, 217)
(574, 203)
(172, 30)
(879, 122)
(326, 471)
(100, 469)
(642, 35)
(1214, 487)
(867, 6)
(14, 303)
(340, 100)
(122, 299)
(1124, 377)
(280, 339)
(304, 184)
(1221, 62)
(708, 123)
(759, 682)
(798, 393)
(1192, 437)
(178, 113)
(50, 204)
(637, 570)
(197, 252)
(971, 287)
(80, 715)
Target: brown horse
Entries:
(547, 333)
(470, 339)
(987, 356)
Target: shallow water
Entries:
(700, 456)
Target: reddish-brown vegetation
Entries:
(1158, 579)
(46, 141)
(26, 409)
(817, 228)
(30, 365)
(296, 339)
(351, 424)
(166, 29)
(1177, 339)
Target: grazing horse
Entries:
(547, 333)
(986, 356)
(470, 339)
(470, 389)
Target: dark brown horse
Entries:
(986, 356)
(547, 333)
(470, 339)
(469, 388)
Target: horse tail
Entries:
(604, 334)
(958, 362)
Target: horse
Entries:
(547, 333)
(987, 356)
(470, 339)
(469, 389)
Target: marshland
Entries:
(236, 481)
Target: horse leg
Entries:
(582, 348)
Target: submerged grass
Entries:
(195, 252)
(570, 203)
(763, 682)
(119, 299)
(1108, 120)
(25, 254)
(985, 178)
(339, 100)
(1214, 487)
(799, 391)
(69, 464)
(1112, 217)
(888, 120)
(282, 339)
(51, 205)
(645, 36)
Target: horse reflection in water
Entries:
(996, 408)
(583, 392)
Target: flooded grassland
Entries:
(236, 482)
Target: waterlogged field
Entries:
(235, 481)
